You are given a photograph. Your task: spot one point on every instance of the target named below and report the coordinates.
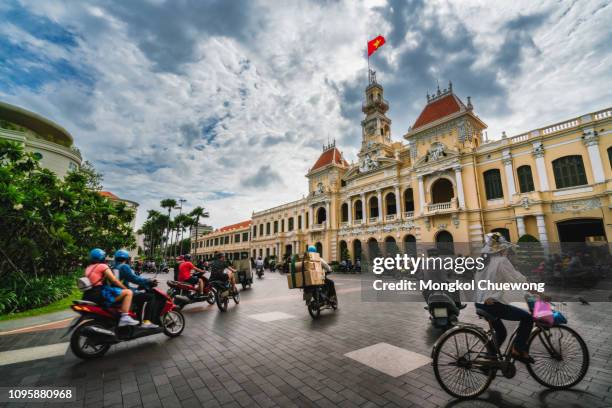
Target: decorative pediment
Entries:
(437, 152)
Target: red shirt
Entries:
(185, 269)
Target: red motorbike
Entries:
(96, 329)
(185, 293)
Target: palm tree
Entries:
(197, 213)
(181, 222)
(168, 203)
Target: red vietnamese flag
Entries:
(374, 44)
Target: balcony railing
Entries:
(390, 217)
(442, 207)
(409, 214)
(316, 227)
(358, 221)
(373, 220)
(344, 224)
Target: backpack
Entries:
(84, 283)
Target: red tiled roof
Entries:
(108, 194)
(239, 225)
(328, 157)
(439, 108)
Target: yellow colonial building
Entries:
(444, 184)
(232, 240)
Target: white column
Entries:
(380, 204)
(398, 203)
(421, 195)
(520, 223)
(538, 153)
(460, 193)
(592, 144)
(363, 209)
(507, 160)
(311, 218)
(541, 228)
(327, 216)
(350, 211)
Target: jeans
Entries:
(512, 313)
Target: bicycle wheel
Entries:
(561, 357)
(454, 358)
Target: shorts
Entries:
(110, 294)
(192, 280)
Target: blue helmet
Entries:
(122, 255)
(97, 255)
(312, 248)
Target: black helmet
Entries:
(187, 257)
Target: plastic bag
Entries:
(542, 312)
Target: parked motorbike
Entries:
(185, 293)
(317, 299)
(260, 271)
(96, 329)
(223, 292)
(443, 312)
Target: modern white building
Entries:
(50, 142)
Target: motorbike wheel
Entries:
(244, 285)
(236, 297)
(314, 309)
(79, 344)
(211, 298)
(334, 303)
(173, 323)
(222, 302)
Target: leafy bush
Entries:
(36, 292)
(48, 226)
(528, 238)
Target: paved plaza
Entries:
(268, 352)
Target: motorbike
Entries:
(443, 312)
(245, 277)
(317, 299)
(224, 291)
(185, 293)
(96, 329)
(260, 271)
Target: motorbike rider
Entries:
(103, 293)
(144, 303)
(259, 263)
(184, 274)
(220, 271)
(329, 285)
(179, 260)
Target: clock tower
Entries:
(376, 127)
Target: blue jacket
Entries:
(127, 276)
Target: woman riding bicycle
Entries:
(500, 270)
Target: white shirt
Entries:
(499, 270)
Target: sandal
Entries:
(524, 357)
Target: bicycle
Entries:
(561, 357)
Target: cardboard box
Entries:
(306, 273)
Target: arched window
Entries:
(344, 209)
(290, 224)
(442, 191)
(525, 179)
(358, 210)
(282, 225)
(321, 215)
(373, 248)
(410, 244)
(275, 227)
(409, 199)
(319, 247)
(344, 252)
(610, 155)
(569, 171)
(267, 228)
(493, 184)
(261, 227)
(390, 205)
(356, 250)
(373, 202)
(444, 243)
(505, 232)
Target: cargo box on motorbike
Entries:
(306, 271)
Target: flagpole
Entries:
(368, 54)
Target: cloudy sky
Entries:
(227, 103)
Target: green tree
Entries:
(48, 225)
(168, 204)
